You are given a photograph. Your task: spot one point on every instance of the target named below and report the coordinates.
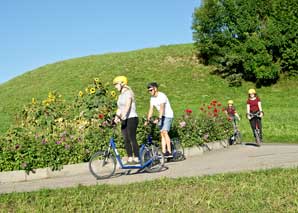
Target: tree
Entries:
(255, 39)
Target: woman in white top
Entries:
(126, 113)
(161, 102)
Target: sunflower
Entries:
(92, 90)
(81, 93)
(113, 93)
(96, 80)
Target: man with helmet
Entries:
(254, 107)
(161, 102)
(127, 115)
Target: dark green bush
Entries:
(255, 38)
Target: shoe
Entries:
(129, 160)
(136, 160)
(167, 154)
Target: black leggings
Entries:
(253, 123)
(129, 131)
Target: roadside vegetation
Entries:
(274, 190)
(188, 84)
(54, 117)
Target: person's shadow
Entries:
(251, 144)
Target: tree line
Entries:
(254, 40)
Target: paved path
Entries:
(232, 159)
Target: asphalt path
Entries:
(233, 159)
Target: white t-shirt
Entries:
(161, 98)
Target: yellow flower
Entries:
(92, 90)
(86, 90)
(46, 102)
(96, 80)
(81, 93)
(113, 93)
(59, 120)
(51, 96)
(33, 101)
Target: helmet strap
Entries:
(122, 86)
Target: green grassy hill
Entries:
(187, 83)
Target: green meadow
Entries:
(258, 191)
(187, 83)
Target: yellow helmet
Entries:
(230, 102)
(120, 79)
(251, 91)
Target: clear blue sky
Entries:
(34, 33)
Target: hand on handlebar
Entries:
(117, 119)
(156, 121)
(258, 114)
(151, 121)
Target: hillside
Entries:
(187, 83)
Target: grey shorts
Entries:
(165, 124)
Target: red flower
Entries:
(188, 111)
(209, 107)
(215, 110)
(219, 104)
(101, 116)
(213, 102)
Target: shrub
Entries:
(209, 124)
(52, 133)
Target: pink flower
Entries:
(182, 124)
(24, 165)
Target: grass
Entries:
(274, 190)
(187, 83)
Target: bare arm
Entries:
(260, 108)
(150, 112)
(248, 111)
(247, 108)
(162, 110)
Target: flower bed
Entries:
(52, 133)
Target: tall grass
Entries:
(273, 190)
(187, 83)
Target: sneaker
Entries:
(169, 154)
(136, 160)
(129, 160)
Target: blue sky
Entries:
(34, 33)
